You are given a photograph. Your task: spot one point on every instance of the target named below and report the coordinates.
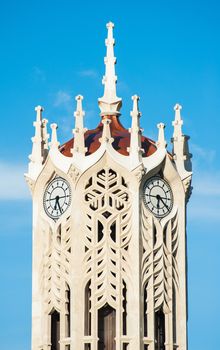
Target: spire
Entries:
(161, 142)
(110, 104)
(45, 137)
(178, 122)
(135, 131)
(54, 144)
(181, 152)
(79, 131)
(36, 158)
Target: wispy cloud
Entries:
(62, 98)
(12, 182)
(38, 74)
(207, 184)
(208, 155)
(204, 204)
(91, 73)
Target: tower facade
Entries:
(109, 231)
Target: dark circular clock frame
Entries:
(58, 178)
(155, 178)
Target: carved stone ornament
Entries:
(74, 173)
(187, 187)
(139, 172)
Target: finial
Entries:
(106, 132)
(79, 131)
(178, 119)
(135, 131)
(161, 142)
(135, 112)
(178, 122)
(45, 137)
(54, 144)
(39, 110)
(36, 156)
(109, 104)
(181, 153)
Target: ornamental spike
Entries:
(178, 122)
(161, 142)
(79, 131)
(54, 144)
(181, 154)
(36, 157)
(45, 137)
(135, 131)
(110, 104)
(106, 132)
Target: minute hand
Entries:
(163, 202)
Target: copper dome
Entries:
(120, 135)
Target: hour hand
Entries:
(56, 202)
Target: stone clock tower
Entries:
(109, 231)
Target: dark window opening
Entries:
(113, 231)
(87, 313)
(159, 330)
(100, 231)
(174, 314)
(145, 311)
(124, 305)
(68, 312)
(106, 328)
(55, 330)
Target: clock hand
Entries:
(57, 202)
(59, 205)
(158, 201)
(55, 198)
(160, 198)
(151, 195)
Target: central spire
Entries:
(110, 104)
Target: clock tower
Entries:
(109, 231)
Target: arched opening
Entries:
(106, 328)
(159, 330)
(87, 309)
(55, 330)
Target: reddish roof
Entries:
(120, 135)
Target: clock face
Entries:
(158, 196)
(57, 197)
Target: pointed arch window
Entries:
(159, 330)
(55, 330)
(106, 328)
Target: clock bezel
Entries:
(55, 218)
(157, 177)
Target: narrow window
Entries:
(106, 328)
(55, 330)
(87, 313)
(145, 311)
(159, 330)
(124, 305)
(113, 231)
(68, 312)
(100, 231)
(174, 314)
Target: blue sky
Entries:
(168, 52)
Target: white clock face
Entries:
(158, 196)
(57, 197)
